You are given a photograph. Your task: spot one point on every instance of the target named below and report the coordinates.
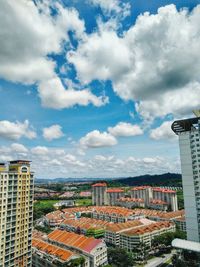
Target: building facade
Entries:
(99, 196)
(156, 197)
(188, 131)
(113, 194)
(16, 214)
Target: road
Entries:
(158, 260)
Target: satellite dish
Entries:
(196, 112)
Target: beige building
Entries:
(113, 194)
(89, 247)
(156, 197)
(99, 196)
(48, 255)
(16, 214)
(132, 239)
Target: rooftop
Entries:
(148, 228)
(86, 223)
(70, 239)
(53, 250)
(19, 162)
(115, 190)
(99, 185)
(184, 125)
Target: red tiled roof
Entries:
(115, 190)
(74, 240)
(158, 202)
(141, 187)
(99, 184)
(61, 253)
(163, 190)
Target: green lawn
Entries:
(84, 202)
(45, 203)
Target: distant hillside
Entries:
(166, 179)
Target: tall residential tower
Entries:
(16, 214)
(188, 131)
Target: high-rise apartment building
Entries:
(99, 196)
(188, 131)
(16, 214)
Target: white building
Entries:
(99, 196)
(188, 131)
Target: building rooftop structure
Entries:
(148, 228)
(53, 250)
(87, 223)
(70, 239)
(99, 184)
(185, 125)
(115, 190)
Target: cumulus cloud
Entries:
(40, 150)
(53, 162)
(164, 131)
(112, 7)
(21, 61)
(54, 95)
(53, 132)
(18, 148)
(16, 130)
(125, 129)
(96, 139)
(157, 61)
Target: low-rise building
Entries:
(130, 203)
(54, 218)
(45, 254)
(113, 231)
(180, 223)
(132, 239)
(64, 203)
(85, 226)
(94, 249)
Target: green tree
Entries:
(120, 257)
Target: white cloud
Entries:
(53, 132)
(164, 131)
(21, 61)
(18, 148)
(125, 129)
(54, 95)
(40, 150)
(156, 65)
(16, 130)
(96, 139)
(113, 7)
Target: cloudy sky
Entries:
(89, 88)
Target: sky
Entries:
(90, 88)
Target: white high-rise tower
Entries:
(188, 131)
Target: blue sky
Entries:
(90, 88)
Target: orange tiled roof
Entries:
(163, 190)
(158, 202)
(148, 228)
(87, 223)
(70, 239)
(115, 190)
(141, 187)
(61, 253)
(99, 184)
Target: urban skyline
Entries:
(75, 95)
